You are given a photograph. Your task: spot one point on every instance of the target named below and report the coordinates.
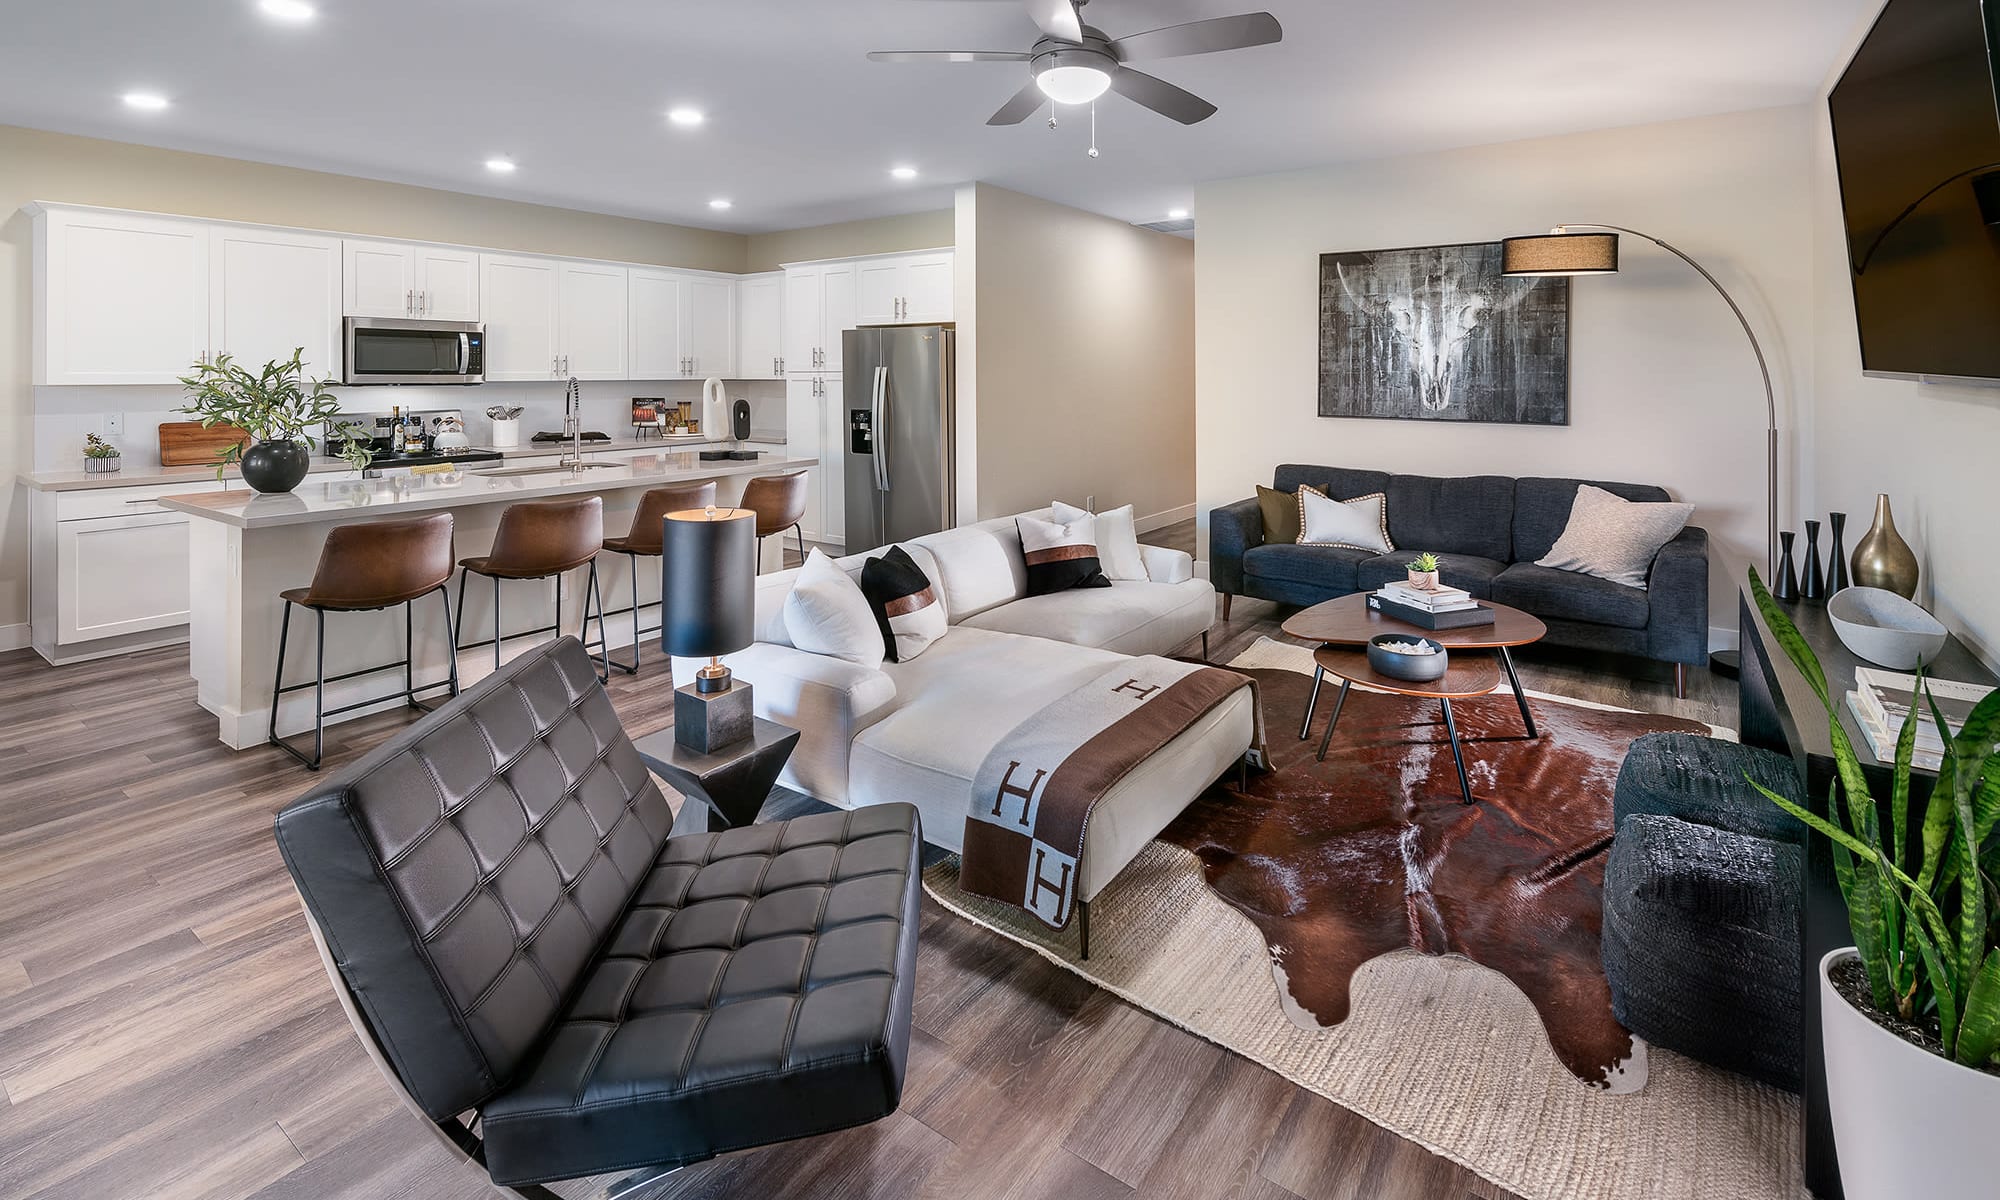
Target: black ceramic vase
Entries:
(1812, 585)
(1836, 555)
(1787, 585)
(275, 466)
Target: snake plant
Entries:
(1926, 940)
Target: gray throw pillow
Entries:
(1614, 538)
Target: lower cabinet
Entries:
(816, 427)
(109, 571)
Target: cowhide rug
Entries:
(1373, 851)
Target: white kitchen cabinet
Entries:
(518, 300)
(816, 427)
(658, 300)
(711, 327)
(905, 289)
(121, 575)
(409, 279)
(272, 292)
(760, 325)
(591, 298)
(820, 305)
(121, 297)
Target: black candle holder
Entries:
(1786, 586)
(1837, 554)
(1813, 586)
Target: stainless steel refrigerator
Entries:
(899, 434)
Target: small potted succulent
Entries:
(99, 456)
(275, 405)
(1424, 571)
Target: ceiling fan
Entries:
(1074, 63)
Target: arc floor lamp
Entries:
(1564, 251)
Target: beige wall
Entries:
(1663, 387)
(46, 166)
(1084, 360)
(881, 235)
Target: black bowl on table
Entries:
(1410, 668)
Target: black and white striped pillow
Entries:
(1060, 556)
(906, 606)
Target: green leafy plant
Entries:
(356, 446)
(273, 404)
(1926, 940)
(1425, 562)
(97, 447)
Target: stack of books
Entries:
(1882, 699)
(1442, 608)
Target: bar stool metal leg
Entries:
(603, 634)
(451, 655)
(496, 622)
(278, 679)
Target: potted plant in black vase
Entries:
(1910, 1014)
(276, 406)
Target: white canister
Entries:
(506, 432)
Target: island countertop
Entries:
(316, 501)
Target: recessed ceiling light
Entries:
(1177, 214)
(287, 10)
(903, 172)
(502, 166)
(718, 203)
(686, 117)
(145, 101)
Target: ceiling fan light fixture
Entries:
(1073, 84)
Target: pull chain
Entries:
(1093, 129)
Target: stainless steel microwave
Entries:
(396, 350)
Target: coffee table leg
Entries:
(1520, 697)
(1458, 758)
(1319, 673)
(1333, 720)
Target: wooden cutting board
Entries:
(187, 444)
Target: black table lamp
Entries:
(708, 589)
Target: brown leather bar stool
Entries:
(540, 539)
(362, 568)
(646, 540)
(780, 504)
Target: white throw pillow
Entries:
(1117, 540)
(827, 614)
(1614, 538)
(1358, 524)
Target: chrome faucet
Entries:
(573, 426)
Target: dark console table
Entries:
(1780, 712)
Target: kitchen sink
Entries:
(506, 472)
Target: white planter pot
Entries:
(1905, 1122)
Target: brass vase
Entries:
(1882, 559)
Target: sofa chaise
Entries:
(1488, 531)
(917, 732)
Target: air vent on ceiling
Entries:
(1184, 225)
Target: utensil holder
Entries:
(506, 432)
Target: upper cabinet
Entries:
(518, 302)
(760, 325)
(591, 300)
(711, 326)
(819, 306)
(406, 279)
(272, 292)
(683, 325)
(904, 289)
(122, 297)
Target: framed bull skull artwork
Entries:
(1436, 333)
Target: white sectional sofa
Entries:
(917, 732)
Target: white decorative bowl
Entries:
(1882, 627)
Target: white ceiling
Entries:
(802, 130)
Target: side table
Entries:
(731, 783)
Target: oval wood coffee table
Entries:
(1348, 621)
(1462, 678)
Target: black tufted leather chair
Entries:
(517, 939)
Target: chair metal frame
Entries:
(320, 678)
(591, 595)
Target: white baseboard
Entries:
(1161, 520)
(1722, 638)
(14, 637)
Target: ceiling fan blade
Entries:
(1159, 95)
(1201, 37)
(1021, 107)
(1057, 18)
(947, 56)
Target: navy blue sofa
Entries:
(1488, 530)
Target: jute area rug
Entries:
(1436, 1048)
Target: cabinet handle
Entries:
(423, 303)
(147, 500)
(410, 302)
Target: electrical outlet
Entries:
(114, 425)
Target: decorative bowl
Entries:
(1882, 627)
(1411, 668)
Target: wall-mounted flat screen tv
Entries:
(1916, 132)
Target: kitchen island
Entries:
(246, 548)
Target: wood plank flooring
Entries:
(166, 1032)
